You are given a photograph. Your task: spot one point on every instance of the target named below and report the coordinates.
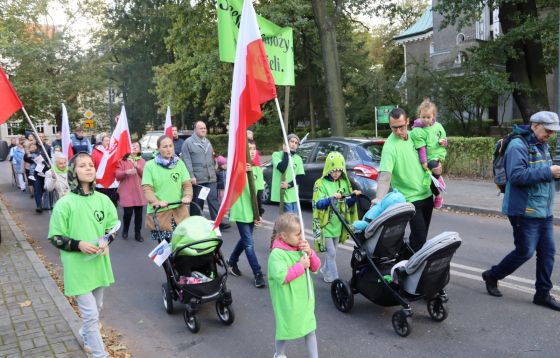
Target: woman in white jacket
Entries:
(56, 178)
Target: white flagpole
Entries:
(296, 188)
(37, 136)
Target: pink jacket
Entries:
(297, 269)
(130, 186)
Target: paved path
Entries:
(36, 320)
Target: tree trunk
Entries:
(333, 80)
(311, 114)
(526, 69)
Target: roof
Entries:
(424, 25)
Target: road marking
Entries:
(349, 246)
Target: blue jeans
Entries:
(530, 235)
(246, 243)
(38, 185)
(290, 208)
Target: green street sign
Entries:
(383, 113)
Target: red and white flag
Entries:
(168, 131)
(252, 86)
(65, 140)
(119, 147)
(9, 100)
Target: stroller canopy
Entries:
(191, 230)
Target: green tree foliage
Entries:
(46, 65)
(527, 48)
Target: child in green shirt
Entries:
(78, 227)
(292, 295)
(282, 178)
(327, 228)
(430, 141)
(242, 213)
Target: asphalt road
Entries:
(478, 325)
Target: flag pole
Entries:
(37, 136)
(296, 188)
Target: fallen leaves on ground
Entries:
(111, 337)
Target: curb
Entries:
(60, 301)
(477, 210)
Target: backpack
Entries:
(498, 161)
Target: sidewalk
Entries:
(480, 197)
(36, 320)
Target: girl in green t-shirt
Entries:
(78, 227)
(291, 293)
(430, 140)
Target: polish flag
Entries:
(65, 135)
(9, 100)
(252, 86)
(168, 131)
(120, 146)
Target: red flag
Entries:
(9, 100)
(252, 86)
(168, 131)
(65, 140)
(119, 147)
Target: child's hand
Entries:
(284, 185)
(425, 166)
(337, 196)
(104, 251)
(248, 167)
(304, 261)
(443, 142)
(304, 246)
(87, 248)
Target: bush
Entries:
(470, 157)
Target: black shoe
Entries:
(491, 284)
(125, 235)
(138, 238)
(547, 301)
(233, 269)
(259, 281)
(39, 210)
(224, 226)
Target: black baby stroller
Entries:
(383, 277)
(192, 273)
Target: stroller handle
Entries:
(344, 196)
(181, 248)
(157, 207)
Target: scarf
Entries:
(58, 171)
(167, 163)
(137, 158)
(73, 182)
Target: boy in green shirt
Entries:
(282, 177)
(242, 213)
(78, 227)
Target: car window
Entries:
(152, 143)
(325, 148)
(305, 150)
(371, 151)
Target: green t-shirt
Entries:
(289, 194)
(167, 183)
(84, 218)
(429, 137)
(242, 210)
(407, 175)
(294, 310)
(325, 189)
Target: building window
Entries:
(14, 128)
(40, 128)
(460, 38)
(54, 129)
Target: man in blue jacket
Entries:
(528, 203)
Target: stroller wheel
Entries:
(225, 313)
(342, 295)
(401, 323)
(167, 298)
(192, 322)
(437, 309)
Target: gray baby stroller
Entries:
(383, 277)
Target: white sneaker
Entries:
(31, 177)
(87, 348)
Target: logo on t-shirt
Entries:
(175, 177)
(99, 215)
